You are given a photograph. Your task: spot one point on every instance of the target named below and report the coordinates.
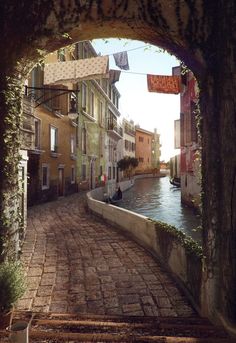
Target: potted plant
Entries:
(12, 287)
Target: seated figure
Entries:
(117, 195)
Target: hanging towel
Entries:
(114, 75)
(121, 60)
(74, 71)
(163, 84)
(92, 68)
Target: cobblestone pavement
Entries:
(77, 263)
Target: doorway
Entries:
(60, 182)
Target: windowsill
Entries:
(37, 151)
(73, 156)
(58, 113)
(73, 123)
(45, 188)
(54, 154)
(88, 116)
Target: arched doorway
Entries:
(188, 30)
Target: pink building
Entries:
(190, 173)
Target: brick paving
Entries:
(75, 262)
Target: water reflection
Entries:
(156, 198)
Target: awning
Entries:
(74, 71)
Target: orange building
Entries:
(143, 150)
(52, 162)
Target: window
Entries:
(45, 176)
(92, 104)
(126, 144)
(100, 113)
(76, 51)
(114, 97)
(84, 141)
(104, 85)
(109, 173)
(85, 52)
(117, 102)
(100, 173)
(114, 172)
(72, 145)
(55, 102)
(110, 91)
(61, 55)
(72, 102)
(53, 139)
(84, 96)
(140, 159)
(101, 144)
(140, 139)
(37, 126)
(73, 174)
(133, 146)
(83, 172)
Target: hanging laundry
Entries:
(163, 84)
(92, 68)
(114, 75)
(74, 71)
(121, 60)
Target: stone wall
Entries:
(166, 243)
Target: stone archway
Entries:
(189, 29)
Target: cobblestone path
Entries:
(77, 263)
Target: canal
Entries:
(157, 199)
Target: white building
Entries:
(128, 138)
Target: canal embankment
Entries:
(179, 253)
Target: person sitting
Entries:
(117, 195)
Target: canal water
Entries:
(157, 199)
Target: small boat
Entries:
(175, 181)
(115, 202)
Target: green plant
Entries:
(127, 164)
(12, 284)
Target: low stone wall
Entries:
(179, 253)
(98, 193)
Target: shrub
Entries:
(12, 284)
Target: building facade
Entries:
(190, 172)
(156, 152)
(128, 138)
(99, 133)
(147, 151)
(52, 161)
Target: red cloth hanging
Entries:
(163, 84)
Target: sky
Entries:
(149, 110)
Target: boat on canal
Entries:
(175, 181)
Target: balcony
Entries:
(129, 131)
(114, 130)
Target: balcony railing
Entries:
(115, 128)
(129, 131)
